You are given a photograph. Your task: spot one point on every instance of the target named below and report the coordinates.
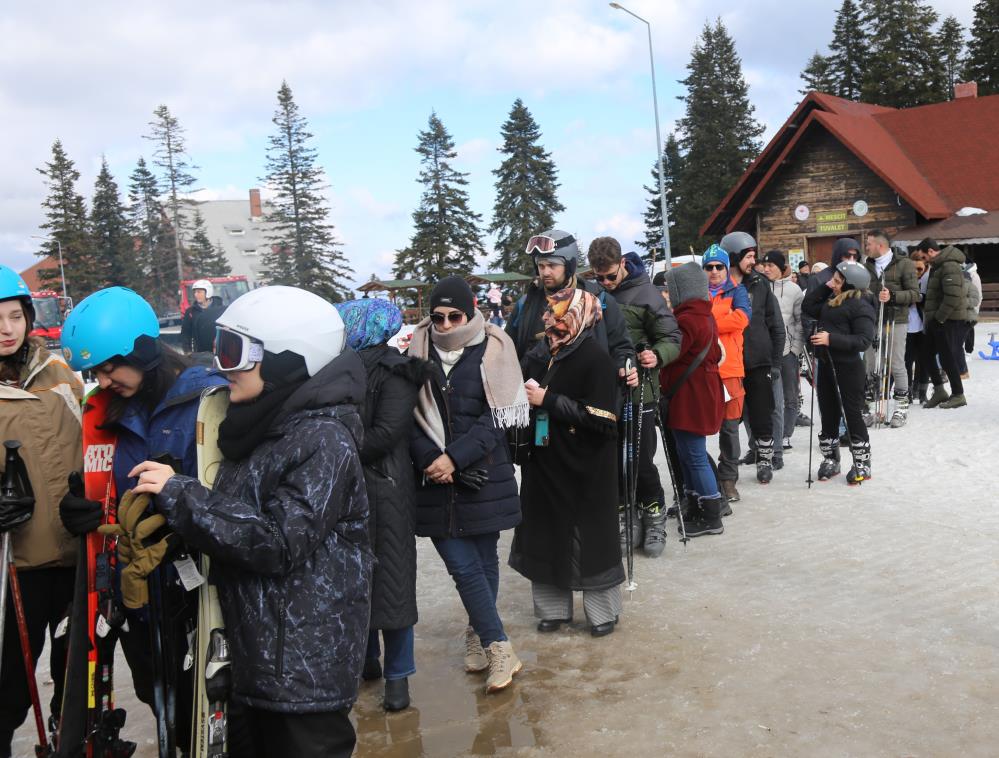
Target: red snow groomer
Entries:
(50, 311)
(226, 287)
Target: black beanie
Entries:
(454, 292)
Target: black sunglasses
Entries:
(605, 277)
(454, 317)
(714, 267)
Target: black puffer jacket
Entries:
(287, 532)
(393, 382)
(473, 442)
(822, 277)
(765, 336)
(198, 327)
(850, 322)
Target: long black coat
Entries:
(393, 381)
(851, 323)
(473, 442)
(287, 531)
(568, 537)
(764, 338)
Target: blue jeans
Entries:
(474, 565)
(697, 473)
(400, 660)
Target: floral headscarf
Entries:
(369, 321)
(570, 312)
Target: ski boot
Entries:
(802, 420)
(750, 458)
(861, 469)
(636, 528)
(901, 414)
(830, 458)
(939, 395)
(709, 519)
(765, 460)
(654, 522)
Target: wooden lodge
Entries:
(838, 168)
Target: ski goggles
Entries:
(236, 352)
(542, 245)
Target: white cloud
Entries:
(623, 226)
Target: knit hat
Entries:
(775, 257)
(454, 292)
(715, 254)
(686, 282)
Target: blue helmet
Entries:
(12, 285)
(107, 324)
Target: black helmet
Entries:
(855, 275)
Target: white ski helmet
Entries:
(288, 318)
(207, 286)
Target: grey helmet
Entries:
(855, 275)
(554, 244)
(737, 244)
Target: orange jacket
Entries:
(732, 312)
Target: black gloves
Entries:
(473, 478)
(14, 511)
(78, 514)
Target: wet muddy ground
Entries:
(834, 621)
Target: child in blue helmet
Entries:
(148, 398)
(39, 407)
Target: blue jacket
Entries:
(170, 428)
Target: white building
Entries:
(239, 227)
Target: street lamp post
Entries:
(659, 144)
(62, 272)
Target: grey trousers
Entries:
(729, 450)
(896, 358)
(552, 603)
(791, 386)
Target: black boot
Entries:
(396, 694)
(372, 669)
(710, 517)
(829, 446)
(691, 510)
(765, 460)
(861, 469)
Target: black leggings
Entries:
(759, 403)
(851, 377)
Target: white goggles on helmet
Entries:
(236, 352)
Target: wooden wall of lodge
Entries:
(823, 175)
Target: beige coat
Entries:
(44, 414)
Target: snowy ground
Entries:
(836, 621)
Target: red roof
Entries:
(938, 157)
(30, 274)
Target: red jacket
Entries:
(698, 405)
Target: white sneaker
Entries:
(475, 656)
(503, 665)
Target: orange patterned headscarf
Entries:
(570, 312)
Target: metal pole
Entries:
(62, 271)
(659, 145)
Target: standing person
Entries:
(650, 324)
(468, 493)
(286, 521)
(974, 306)
(763, 353)
(555, 254)
(695, 410)
(804, 274)
(566, 541)
(846, 326)
(40, 407)
(393, 382)
(494, 296)
(197, 330)
(731, 310)
(895, 287)
(945, 314)
(789, 297)
(914, 332)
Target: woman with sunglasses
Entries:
(286, 523)
(567, 542)
(39, 407)
(146, 406)
(393, 382)
(468, 493)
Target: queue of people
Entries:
(339, 451)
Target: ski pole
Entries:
(661, 423)
(42, 749)
(811, 417)
(5, 557)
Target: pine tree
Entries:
(153, 240)
(818, 76)
(204, 258)
(66, 221)
(653, 241)
(982, 63)
(718, 134)
(950, 42)
(304, 252)
(446, 239)
(109, 232)
(171, 158)
(904, 64)
(848, 52)
(526, 201)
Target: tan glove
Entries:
(134, 527)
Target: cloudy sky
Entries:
(367, 75)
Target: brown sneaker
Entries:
(503, 665)
(728, 490)
(475, 656)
